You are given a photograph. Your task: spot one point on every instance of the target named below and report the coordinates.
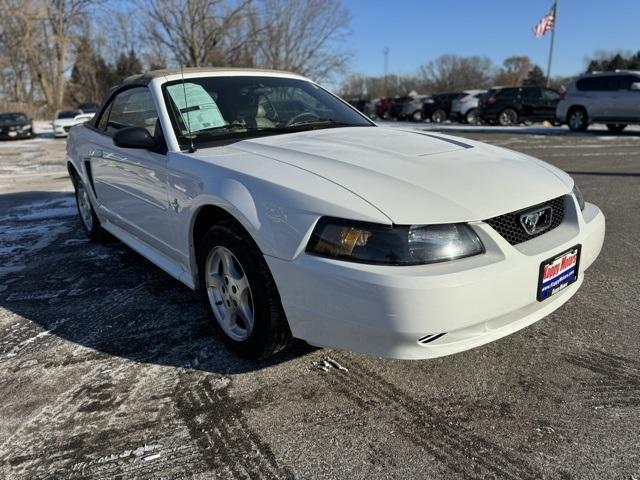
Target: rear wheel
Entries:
(417, 116)
(472, 116)
(88, 218)
(577, 119)
(438, 116)
(508, 117)
(616, 127)
(244, 300)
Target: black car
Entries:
(438, 107)
(15, 125)
(514, 105)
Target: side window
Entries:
(550, 95)
(625, 81)
(507, 93)
(531, 94)
(133, 107)
(598, 84)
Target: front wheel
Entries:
(578, 120)
(242, 294)
(508, 117)
(616, 127)
(472, 117)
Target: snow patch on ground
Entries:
(30, 228)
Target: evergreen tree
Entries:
(535, 78)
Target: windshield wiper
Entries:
(320, 123)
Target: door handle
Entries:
(98, 153)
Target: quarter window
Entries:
(133, 107)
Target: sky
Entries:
(418, 31)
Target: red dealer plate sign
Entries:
(558, 272)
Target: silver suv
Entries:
(604, 97)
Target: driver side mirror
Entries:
(134, 137)
(635, 86)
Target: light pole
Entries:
(386, 69)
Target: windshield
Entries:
(210, 109)
(68, 114)
(11, 118)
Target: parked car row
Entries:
(17, 125)
(612, 98)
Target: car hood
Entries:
(67, 122)
(418, 177)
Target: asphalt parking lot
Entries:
(109, 368)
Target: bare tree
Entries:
(514, 70)
(194, 32)
(37, 36)
(453, 73)
(304, 36)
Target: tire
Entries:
(438, 116)
(237, 284)
(472, 117)
(577, 119)
(508, 117)
(616, 127)
(417, 116)
(88, 218)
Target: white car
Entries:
(298, 217)
(465, 109)
(63, 120)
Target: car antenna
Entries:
(190, 136)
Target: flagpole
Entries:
(553, 37)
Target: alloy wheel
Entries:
(229, 293)
(84, 206)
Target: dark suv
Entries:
(438, 107)
(514, 105)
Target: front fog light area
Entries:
(392, 245)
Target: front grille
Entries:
(509, 226)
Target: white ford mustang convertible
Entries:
(298, 217)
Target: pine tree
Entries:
(535, 78)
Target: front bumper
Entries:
(384, 311)
(15, 134)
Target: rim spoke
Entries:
(227, 264)
(227, 321)
(214, 280)
(243, 285)
(247, 316)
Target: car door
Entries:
(548, 103)
(131, 184)
(531, 99)
(626, 102)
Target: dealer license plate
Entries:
(558, 273)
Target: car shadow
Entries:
(106, 299)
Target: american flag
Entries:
(546, 24)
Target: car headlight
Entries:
(430, 100)
(578, 194)
(393, 245)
